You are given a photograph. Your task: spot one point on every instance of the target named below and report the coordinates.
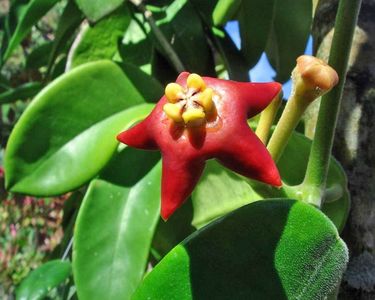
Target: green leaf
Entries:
(137, 47)
(273, 249)
(23, 91)
(31, 14)
(189, 42)
(43, 279)
(233, 60)
(68, 132)
(115, 227)
(68, 23)
(220, 191)
(255, 20)
(150, 88)
(96, 9)
(289, 34)
(338, 211)
(39, 56)
(293, 163)
(292, 166)
(224, 11)
(99, 41)
(205, 9)
(175, 230)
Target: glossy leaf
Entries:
(189, 42)
(139, 42)
(150, 88)
(68, 23)
(224, 11)
(338, 211)
(273, 249)
(161, 68)
(23, 91)
(289, 34)
(115, 226)
(84, 112)
(137, 47)
(96, 9)
(219, 192)
(175, 230)
(297, 153)
(205, 8)
(43, 279)
(99, 41)
(255, 19)
(233, 60)
(212, 196)
(39, 56)
(30, 15)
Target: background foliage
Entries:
(94, 68)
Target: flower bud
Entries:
(312, 78)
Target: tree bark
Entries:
(354, 144)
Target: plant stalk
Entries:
(317, 168)
(267, 117)
(292, 114)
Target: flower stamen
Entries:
(174, 92)
(191, 104)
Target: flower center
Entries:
(190, 105)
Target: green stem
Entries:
(169, 51)
(319, 158)
(266, 119)
(292, 114)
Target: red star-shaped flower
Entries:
(199, 119)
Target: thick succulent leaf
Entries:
(175, 230)
(23, 91)
(150, 88)
(115, 226)
(288, 36)
(43, 279)
(97, 9)
(162, 69)
(255, 19)
(140, 44)
(205, 8)
(182, 27)
(29, 16)
(292, 166)
(273, 249)
(54, 147)
(99, 41)
(39, 56)
(233, 59)
(68, 23)
(220, 190)
(293, 163)
(224, 11)
(137, 47)
(338, 211)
